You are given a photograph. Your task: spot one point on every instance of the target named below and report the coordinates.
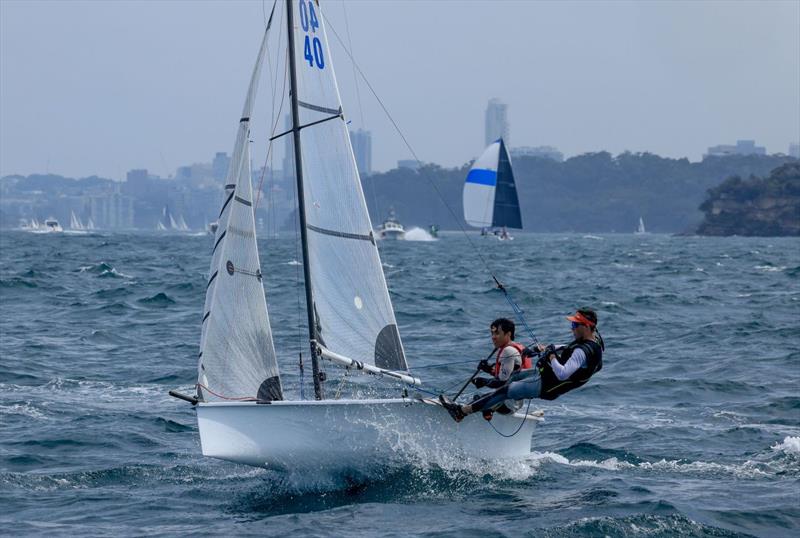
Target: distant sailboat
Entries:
(182, 224)
(640, 229)
(75, 222)
(90, 224)
(490, 194)
(351, 321)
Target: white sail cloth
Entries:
(490, 193)
(480, 187)
(353, 311)
(237, 356)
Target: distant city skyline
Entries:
(104, 87)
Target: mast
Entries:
(298, 172)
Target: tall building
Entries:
(496, 122)
(361, 141)
(219, 166)
(794, 151)
(742, 147)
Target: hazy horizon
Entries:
(100, 88)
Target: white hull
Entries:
(392, 234)
(341, 434)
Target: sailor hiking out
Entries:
(558, 370)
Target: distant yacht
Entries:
(391, 228)
(50, 225)
(490, 194)
(75, 222)
(28, 225)
(640, 229)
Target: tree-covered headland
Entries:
(593, 192)
(768, 206)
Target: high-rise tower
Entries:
(496, 122)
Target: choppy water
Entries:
(692, 427)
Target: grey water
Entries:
(692, 428)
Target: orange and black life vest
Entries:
(526, 361)
(552, 387)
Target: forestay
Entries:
(237, 356)
(352, 308)
(490, 194)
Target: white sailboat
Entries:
(241, 411)
(490, 193)
(90, 224)
(75, 222)
(640, 229)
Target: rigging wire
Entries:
(485, 263)
(275, 117)
(521, 424)
(375, 204)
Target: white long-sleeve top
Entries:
(575, 361)
(509, 359)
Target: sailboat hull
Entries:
(340, 434)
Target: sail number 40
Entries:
(312, 48)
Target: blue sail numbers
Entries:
(490, 194)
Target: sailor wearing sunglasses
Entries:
(557, 372)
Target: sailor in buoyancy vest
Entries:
(510, 356)
(557, 372)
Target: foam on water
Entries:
(418, 234)
(790, 445)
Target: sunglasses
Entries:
(575, 325)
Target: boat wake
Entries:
(418, 234)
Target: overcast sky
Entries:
(102, 87)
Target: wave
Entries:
(112, 293)
(790, 445)
(26, 410)
(770, 268)
(103, 270)
(748, 470)
(160, 299)
(17, 282)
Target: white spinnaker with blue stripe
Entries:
(490, 194)
(237, 356)
(352, 307)
(480, 186)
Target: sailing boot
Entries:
(453, 408)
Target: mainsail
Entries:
(352, 310)
(490, 194)
(237, 356)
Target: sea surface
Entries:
(692, 428)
